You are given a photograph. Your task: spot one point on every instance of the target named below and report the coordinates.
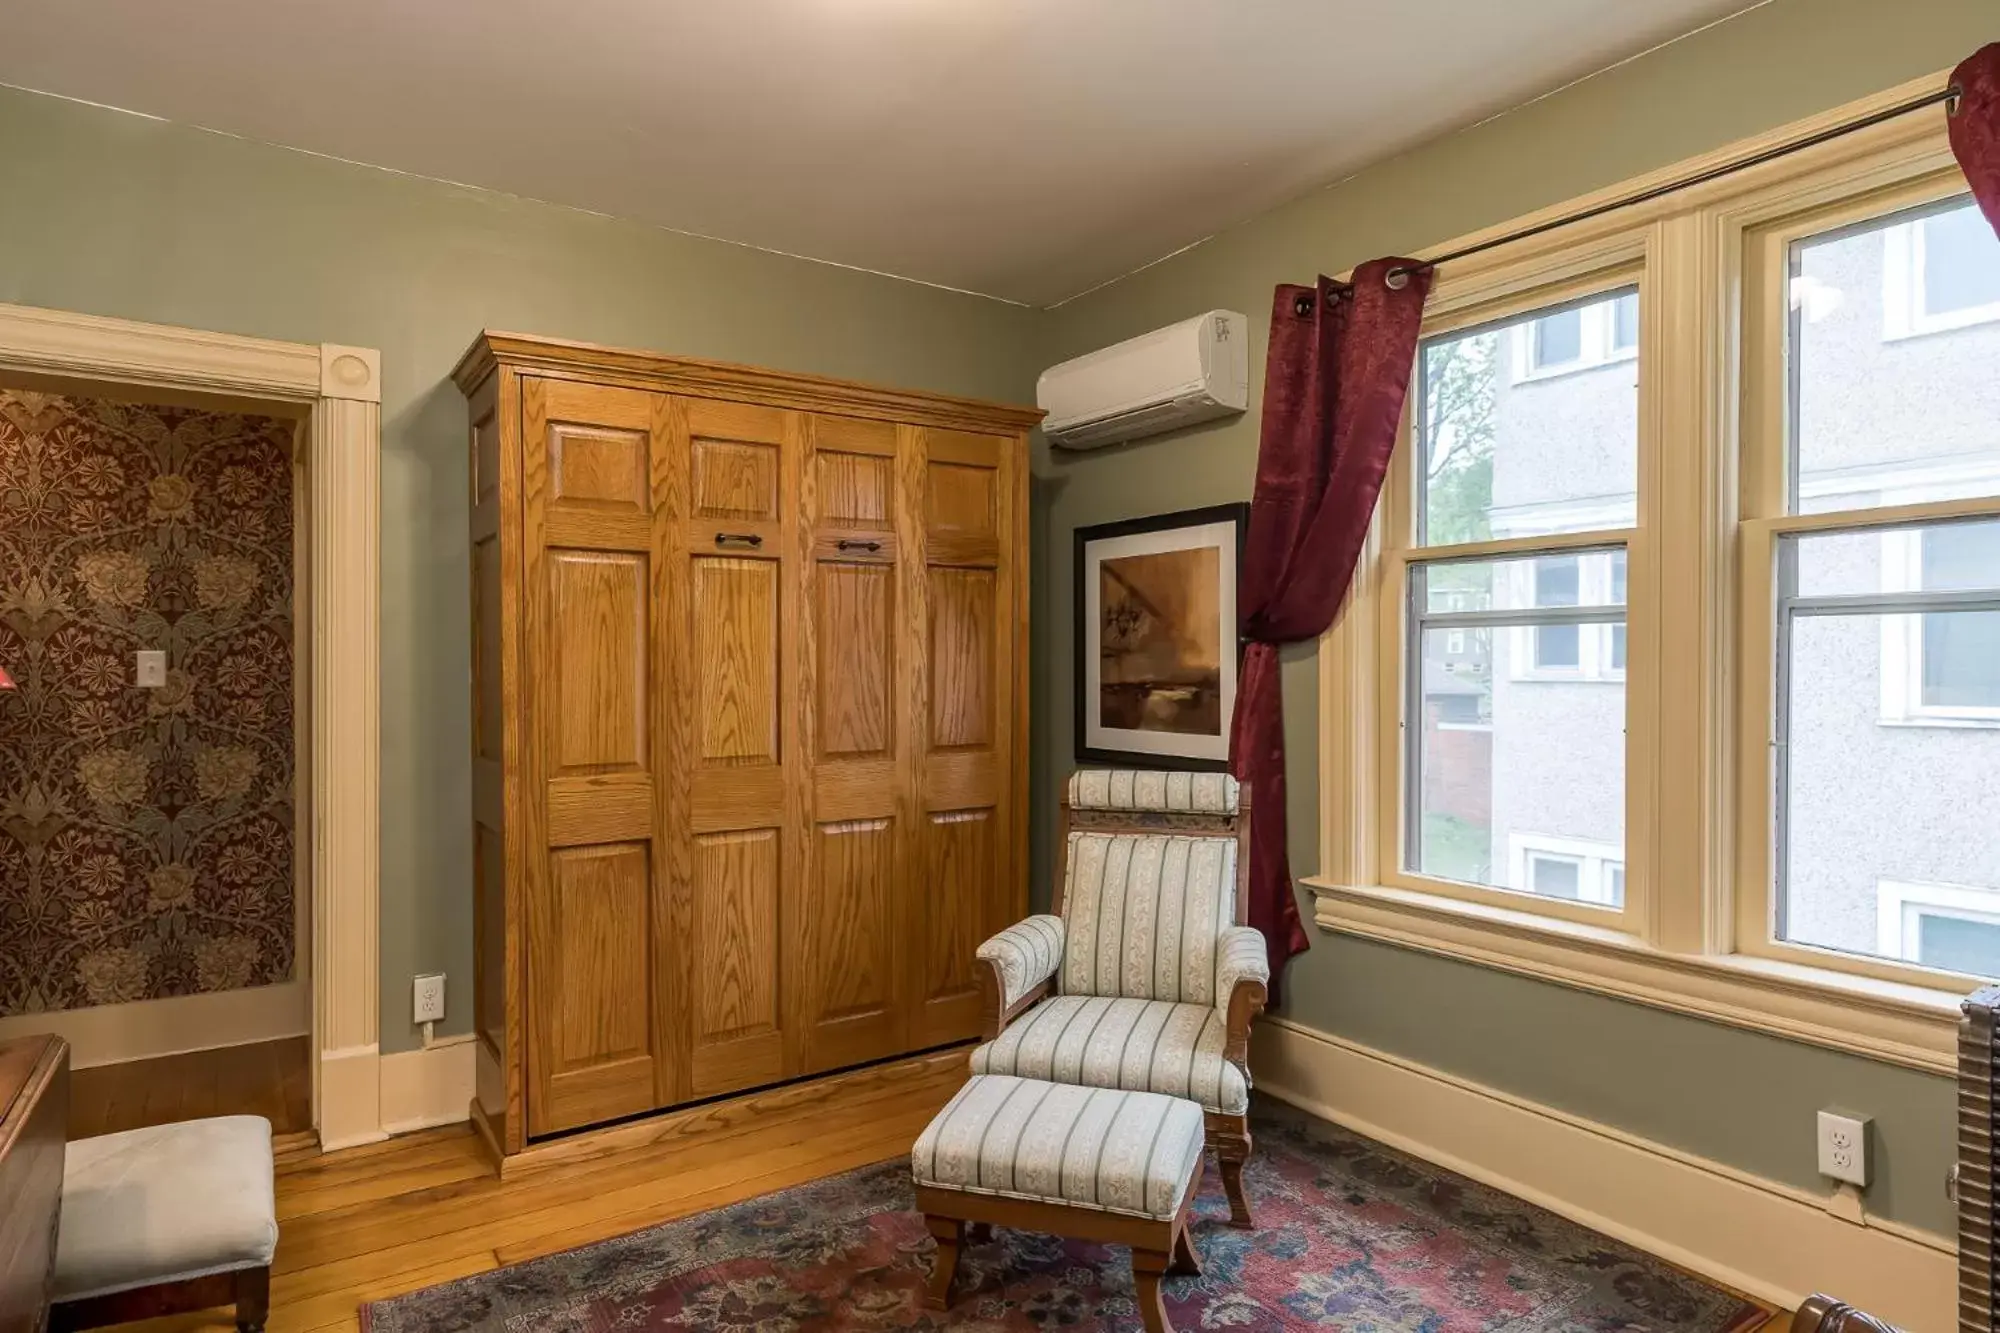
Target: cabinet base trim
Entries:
(944, 1068)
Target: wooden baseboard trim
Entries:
(1769, 1240)
(896, 1076)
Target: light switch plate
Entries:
(1843, 1147)
(149, 670)
(428, 1001)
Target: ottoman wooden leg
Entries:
(1147, 1266)
(253, 1299)
(1186, 1262)
(949, 1233)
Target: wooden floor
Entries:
(272, 1079)
(367, 1223)
(373, 1222)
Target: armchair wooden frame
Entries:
(1228, 1135)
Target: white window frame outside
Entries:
(1900, 903)
(1594, 641)
(1597, 344)
(1904, 312)
(1903, 647)
(1594, 860)
(1695, 932)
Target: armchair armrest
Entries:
(1242, 980)
(1017, 965)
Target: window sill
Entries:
(1912, 1026)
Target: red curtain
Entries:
(1975, 134)
(1334, 383)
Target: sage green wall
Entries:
(118, 215)
(1734, 1096)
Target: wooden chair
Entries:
(1144, 977)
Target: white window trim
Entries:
(1902, 636)
(1594, 664)
(1898, 904)
(1903, 648)
(1904, 314)
(1593, 860)
(1690, 893)
(1595, 345)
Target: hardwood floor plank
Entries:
(387, 1218)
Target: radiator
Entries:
(1978, 1070)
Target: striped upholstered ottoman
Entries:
(1097, 1164)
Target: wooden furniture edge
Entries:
(720, 1114)
(699, 377)
(248, 1289)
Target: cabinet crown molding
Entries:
(699, 378)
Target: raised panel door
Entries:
(969, 634)
(734, 731)
(859, 504)
(594, 522)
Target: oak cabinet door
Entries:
(971, 628)
(593, 520)
(738, 772)
(862, 692)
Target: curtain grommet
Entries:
(1303, 306)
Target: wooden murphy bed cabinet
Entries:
(749, 724)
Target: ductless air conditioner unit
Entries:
(1187, 372)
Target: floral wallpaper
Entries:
(146, 835)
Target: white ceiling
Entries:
(1027, 149)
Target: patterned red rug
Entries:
(1350, 1236)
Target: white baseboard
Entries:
(425, 1088)
(350, 1097)
(1770, 1240)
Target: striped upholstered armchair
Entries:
(1144, 977)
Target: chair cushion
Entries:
(1139, 1045)
(165, 1203)
(1114, 1152)
(1141, 913)
(1153, 790)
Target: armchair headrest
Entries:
(1154, 791)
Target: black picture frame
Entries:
(1159, 754)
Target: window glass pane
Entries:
(1941, 557)
(1507, 454)
(1559, 338)
(1544, 762)
(1961, 659)
(1557, 877)
(1625, 322)
(1558, 580)
(1872, 800)
(1583, 579)
(1558, 646)
(1961, 261)
(1879, 415)
(1959, 944)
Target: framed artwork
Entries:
(1156, 644)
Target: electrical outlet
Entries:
(429, 1001)
(1843, 1147)
(149, 669)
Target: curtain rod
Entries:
(1397, 277)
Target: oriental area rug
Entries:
(1350, 1235)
